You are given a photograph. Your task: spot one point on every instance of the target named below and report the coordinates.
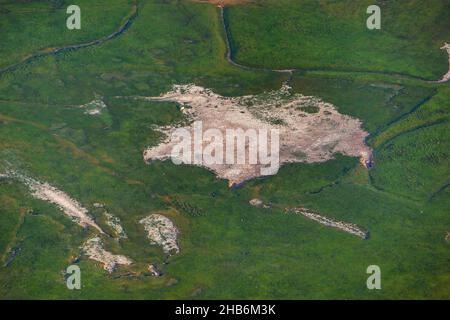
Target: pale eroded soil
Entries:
(161, 231)
(344, 226)
(304, 136)
(115, 223)
(446, 77)
(68, 205)
(93, 248)
(94, 107)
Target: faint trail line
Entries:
(229, 57)
(390, 140)
(411, 130)
(63, 143)
(437, 192)
(401, 117)
(53, 51)
(10, 246)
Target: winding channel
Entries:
(229, 54)
(53, 51)
(230, 59)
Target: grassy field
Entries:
(332, 35)
(229, 249)
(36, 25)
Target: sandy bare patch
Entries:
(153, 270)
(315, 216)
(115, 223)
(46, 192)
(256, 202)
(311, 130)
(93, 248)
(64, 202)
(446, 77)
(344, 226)
(161, 231)
(259, 203)
(94, 107)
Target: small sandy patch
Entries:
(115, 224)
(446, 77)
(328, 222)
(93, 248)
(94, 107)
(161, 231)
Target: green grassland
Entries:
(332, 35)
(30, 26)
(229, 249)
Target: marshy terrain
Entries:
(76, 121)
